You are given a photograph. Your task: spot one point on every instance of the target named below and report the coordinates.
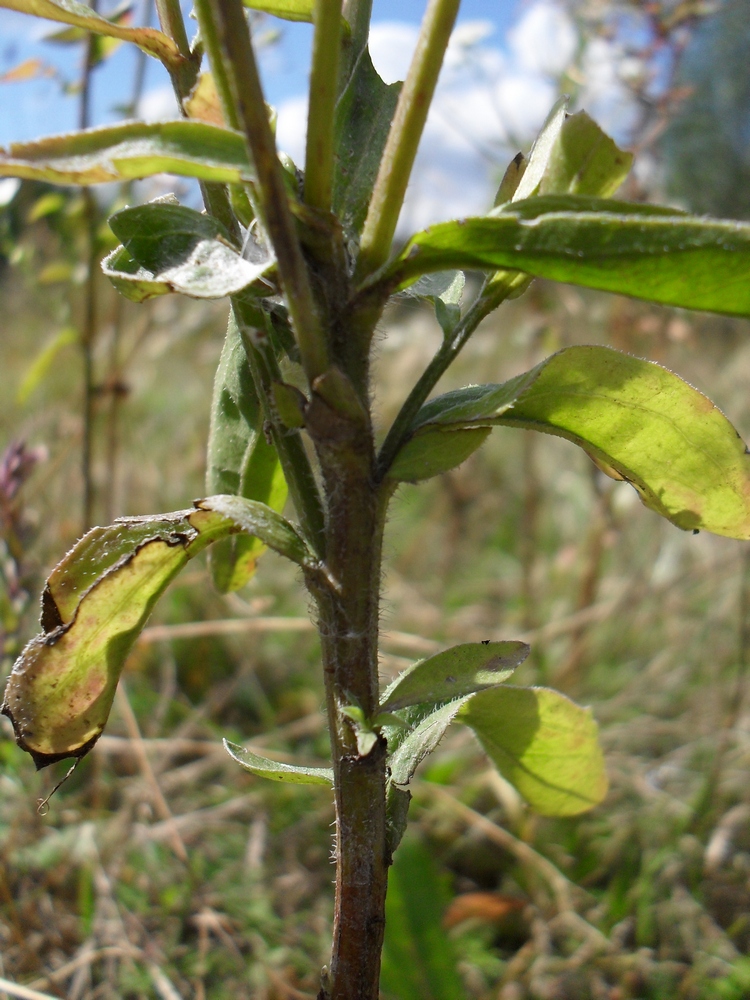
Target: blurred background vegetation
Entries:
(161, 869)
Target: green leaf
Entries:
(433, 450)
(95, 603)
(129, 151)
(464, 669)
(448, 305)
(363, 119)
(639, 421)
(419, 960)
(584, 160)
(660, 255)
(541, 151)
(256, 518)
(411, 749)
(181, 249)
(544, 744)
(240, 460)
(155, 43)
(130, 279)
(289, 10)
(264, 767)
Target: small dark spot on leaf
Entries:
(450, 680)
(485, 642)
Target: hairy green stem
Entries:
(405, 133)
(349, 643)
(236, 48)
(323, 93)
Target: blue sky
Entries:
(502, 75)
(31, 108)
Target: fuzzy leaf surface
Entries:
(659, 255)
(464, 669)
(130, 151)
(429, 729)
(544, 744)
(639, 421)
(264, 767)
(181, 249)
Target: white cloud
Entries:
(158, 105)
(544, 40)
(291, 128)
(604, 95)
(392, 45)
(488, 104)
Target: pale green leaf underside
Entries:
(464, 669)
(97, 600)
(264, 767)
(70, 12)
(130, 151)
(544, 744)
(421, 741)
(660, 256)
(541, 151)
(240, 460)
(170, 247)
(640, 421)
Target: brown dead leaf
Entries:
(490, 907)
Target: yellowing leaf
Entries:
(636, 419)
(544, 744)
(203, 102)
(79, 15)
(97, 600)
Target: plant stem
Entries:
(236, 48)
(88, 330)
(212, 48)
(403, 138)
(482, 306)
(323, 92)
(173, 25)
(349, 642)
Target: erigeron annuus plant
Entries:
(309, 267)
